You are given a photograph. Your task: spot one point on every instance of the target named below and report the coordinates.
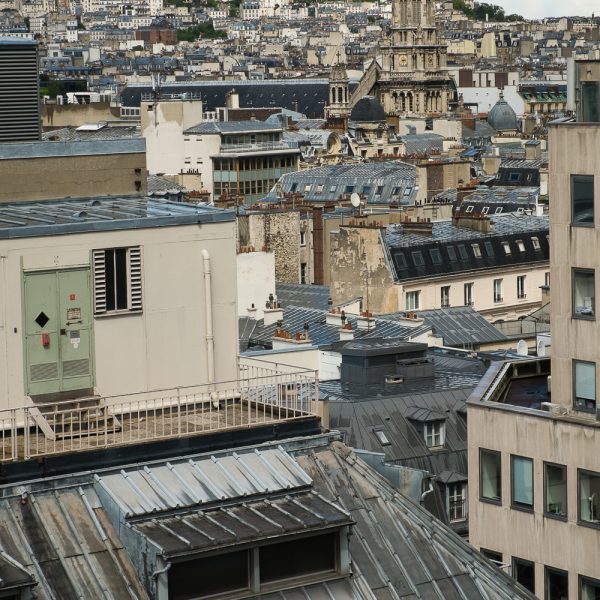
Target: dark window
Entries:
(367, 190)
(462, 252)
(589, 589)
(401, 262)
(589, 497)
(349, 189)
(584, 293)
(220, 574)
(489, 249)
(451, 253)
(557, 584)
(582, 199)
(492, 555)
(524, 572)
(294, 187)
(303, 273)
(379, 190)
(418, 259)
(490, 481)
(584, 385)
(436, 256)
(555, 490)
(117, 279)
(514, 177)
(315, 554)
(521, 482)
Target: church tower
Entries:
(412, 80)
(339, 94)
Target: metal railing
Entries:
(457, 511)
(264, 393)
(256, 147)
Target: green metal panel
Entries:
(58, 303)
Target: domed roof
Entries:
(367, 110)
(502, 117)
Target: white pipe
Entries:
(210, 349)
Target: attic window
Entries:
(470, 209)
(507, 249)
(418, 259)
(332, 189)
(349, 189)
(294, 187)
(520, 245)
(379, 190)
(383, 439)
(307, 187)
(514, 177)
(536, 243)
(462, 252)
(476, 250)
(489, 249)
(319, 188)
(485, 210)
(451, 253)
(436, 256)
(498, 210)
(396, 191)
(434, 433)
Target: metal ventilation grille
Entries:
(76, 368)
(135, 278)
(43, 371)
(99, 264)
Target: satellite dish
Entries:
(541, 348)
(355, 200)
(522, 348)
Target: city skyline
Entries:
(537, 9)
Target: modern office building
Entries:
(19, 91)
(533, 425)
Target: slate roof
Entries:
(460, 326)
(67, 134)
(47, 149)
(423, 143)
(308, 296)
(232, 127)
(451, 249)
(307, 96)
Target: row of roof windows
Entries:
(460, 252)
(499, 210)
(318, 188)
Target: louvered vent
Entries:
(135, 278)
(99, 263)
(43, 371)
(76, 368)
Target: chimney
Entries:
(365, 321)
(346, 333)
(533, 150)
(336, 317)
(273, 311)
(286, 339)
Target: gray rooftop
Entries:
(100, 132)
(233, 127)
(47, 149)
(34, 219)
(297, 294)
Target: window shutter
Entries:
(135, 278)
(98, 260)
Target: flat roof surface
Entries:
(48, 149)
(59, 217)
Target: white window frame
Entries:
(468, 297)
(445, 296)
(434, 433)
(498, 295)
(457, 492)
(521, 287)
(413, 300)
(134, 281)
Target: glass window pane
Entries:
(489, 464)
(584, 293)
(522, 481)
(582, 199)
(523, 571)
(589, 497)
(590, 589)
(555, 478)
(584, 384)
(557, 585)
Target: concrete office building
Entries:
(534, 437)
(19, 91)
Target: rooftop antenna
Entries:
(522, 349)
(355, 201)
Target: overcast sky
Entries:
(535, 9)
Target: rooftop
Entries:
(57, 217)
(232, 127)
(52, 149)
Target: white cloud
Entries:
(532, 9)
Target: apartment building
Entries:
(533, 425)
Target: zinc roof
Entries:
(46, 149)
(186, 483)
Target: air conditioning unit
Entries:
(554, 409)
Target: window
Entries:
(490, 475)
(582, 200)
(498, 210)
(498, 290)
(521, 293)
(489, 249)
(507, 249)
(413, 300)
(434, 433)
(451, 253)
(513, 177)
(302, 272)
(468, 294)
(520, 245)
(349, 189)
(557, 584)
(418, 258)
(117, 280)
(589, 589)
(294, 187)
(436, 256)
(555, 490)
(521, 482)
(470, 209)
(492, 555)
(462, 252)
(547, 278)
(584, 385)
(303, 238)
(379, 190)
(401, 261)
(332, 189)
(485, 210)
(383, 439)
(524, 573)
(367, 190)
(445, 296)
(319, 190)
(584, 293)
(536, 243)
(456, 498)
(476, 250)
(589, 497)
(307, 187)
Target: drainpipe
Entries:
(210, 349)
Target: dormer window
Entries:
(434, 433)
(383, 439)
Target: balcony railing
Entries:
(257, 147)
(264, 393)
(457, 510)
